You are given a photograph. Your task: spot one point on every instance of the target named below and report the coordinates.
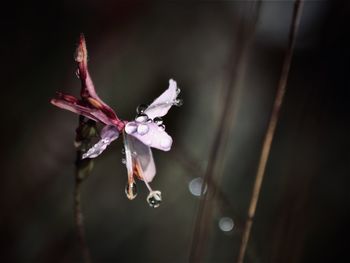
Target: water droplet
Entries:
(195, 186)
(178, 90)
(123, 161)
(131, 191)
(123, 151)
(130, 127)
(141, 117)
(105, 140)
(142, 129)
(165, 143)
(141, 108)
(154, 199)
(178, 102)
(161, 127)
(158, 120)
(226, 224)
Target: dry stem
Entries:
(281, 89)
(79, 224)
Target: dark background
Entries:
(134, 48)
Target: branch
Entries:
(85, 132)
(281, 89)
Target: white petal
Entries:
(109, 133)
(128, 155)
(156, 137)
(141, 156)
(160, 106)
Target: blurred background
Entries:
(134, 48)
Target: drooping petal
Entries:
(88, 91)
(160, 106)
(150, 134)
(93, 114)
(140, 156)
(109, 133)
(81, 57)
(128, 158)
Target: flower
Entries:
(146, 131)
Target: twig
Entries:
(281, 89)
(217, 151)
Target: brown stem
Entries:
(79, 224)
(281, 89)
(216, 158)
(84, 133)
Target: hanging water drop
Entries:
(123, 151)
(141, 108)
(178, 102)
(178, 90)
(154, 199)
(131, 191)
(123, 161)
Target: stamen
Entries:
(95, 103)
(140, 175)
(154, 198)
(148, 186)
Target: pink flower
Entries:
(140, 135)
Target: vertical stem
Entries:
(79, 224)
(84, 133)
(213, 171)
(281, 89)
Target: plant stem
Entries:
(79, 224)
(85, 131)
(281, 89)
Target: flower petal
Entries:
(141, 158)
(93, 114)
(128, 157)
(88, 91)
(151, 135)
(160, 106)
(109, 133)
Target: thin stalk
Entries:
(213, 171)
(79, 223)
(84, 133)
(270, 132)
